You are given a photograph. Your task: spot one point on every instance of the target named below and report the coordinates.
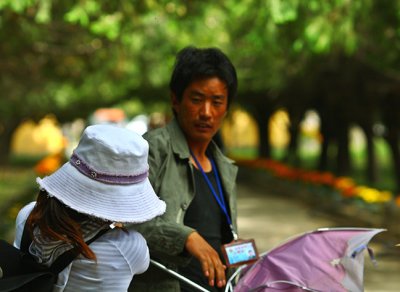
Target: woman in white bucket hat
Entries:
(104, 183)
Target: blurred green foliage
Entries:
(17, 187)
(59, 56)
(70, 57)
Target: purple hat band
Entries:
(80, 165)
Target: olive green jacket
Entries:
(171, 175)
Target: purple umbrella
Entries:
(327, 259)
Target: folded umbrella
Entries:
(327, 259)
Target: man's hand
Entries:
(209, 259)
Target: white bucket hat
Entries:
(107, 177)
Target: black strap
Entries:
(64, 259)
(26, 239)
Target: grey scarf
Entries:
(46, 251)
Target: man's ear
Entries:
(174, 101)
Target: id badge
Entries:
(240, 252)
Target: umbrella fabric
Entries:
(327, 259)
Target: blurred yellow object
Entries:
(371, 195)
(278, 125)
(239, 130)
(310, 125)
(38, 139)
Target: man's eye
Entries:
(196, 99)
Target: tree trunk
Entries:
(371, 169)
(262, 119)
(292, 155)
(392, 138)
(7, 129)
(343, 165)
(326, 141)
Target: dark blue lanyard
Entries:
(220, 197)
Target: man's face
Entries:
(202, 109)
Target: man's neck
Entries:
(199, 151)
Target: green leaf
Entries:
(77, 15)
(319, 34)
(43, 14)
(283, 11)
(19, 5)
(108, 25)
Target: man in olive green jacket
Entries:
(190, 173)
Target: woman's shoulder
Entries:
(130, 246)
(25, 211)
(124, 240)
(20, 222)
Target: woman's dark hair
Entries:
(194, 63)
(58, 222)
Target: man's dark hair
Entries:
(196, 63)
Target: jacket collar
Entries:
(180, 145)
